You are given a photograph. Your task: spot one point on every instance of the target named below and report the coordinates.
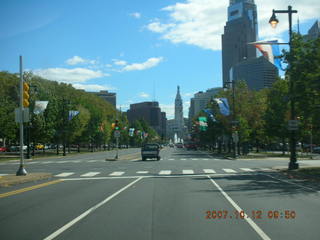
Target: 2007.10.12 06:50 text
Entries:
(255, 214)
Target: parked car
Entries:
(179, 145)
(17, 148)
(150, 150)
(39, 146)
(4, 149)
(316, 150)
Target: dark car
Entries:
(150, 151)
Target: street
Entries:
(185, 195)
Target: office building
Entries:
(107, 96)
(240, 29)
(151, 113)
(258, 73)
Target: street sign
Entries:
(235, 137)
(116, 134)
(25, 116)
(293, 125)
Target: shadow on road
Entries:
(262, 185)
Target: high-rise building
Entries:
(241, 28)
(314, 31)
(151, 113)
(200, 101)
(178, 114)
(258, 73)
(108, 96)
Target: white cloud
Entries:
(119, 62)
(92, 87)
(144, 95)
(168, 109)
(201, 22)
(135, 15)
(159, 27)
(75, 60)
(151, 62)
(74, 75)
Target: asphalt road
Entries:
(185, 195)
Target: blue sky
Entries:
(140, 49)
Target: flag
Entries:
(210, 114)
(223, 106)
(270, 50)
(203, 123)
(131, 132)
(72, 114)
(40, 106)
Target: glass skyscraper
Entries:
(240, 29)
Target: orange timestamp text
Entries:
(254, 214)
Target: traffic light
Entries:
(116, 125)
(26, 95)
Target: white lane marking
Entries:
(183, 159)
(165, 172)
(265, 169)
(260, 232)
(187, 171)
(31, 162)
(65, 174)
(134, 160)
(142, 172)
(171, 159)
(195, 159)
(148, 176)
(93, 161)
(46, 162)
(63, 161)
(205, 159)
(247, 169)
(116, 174)
(75, 161)
(90, 210)
(90, 174)
(228, 170)
(3, 174)
(209, 171)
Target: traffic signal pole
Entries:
(21, 171)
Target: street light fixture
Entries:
(274, 21)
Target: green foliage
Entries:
(92, 124)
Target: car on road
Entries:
(150, 150)
(179, 145)
(316, 150)
(4, 149)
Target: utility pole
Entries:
(21, 171)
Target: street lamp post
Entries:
(274, 21)
(234, 122)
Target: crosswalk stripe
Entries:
(63, 161)
(265, 169)
(187, 171)
(183, 159)
(116, 174)
(209, 171)
(31, 162)
(142, 172)
(93, 161)
(90, 174)
(171, 159)
(165, 172)
(46, 162)
(205, 159)
(228, 170)
(247, 169)
(3, 174)
(75, 161)
(65, 174)
(194, 159)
